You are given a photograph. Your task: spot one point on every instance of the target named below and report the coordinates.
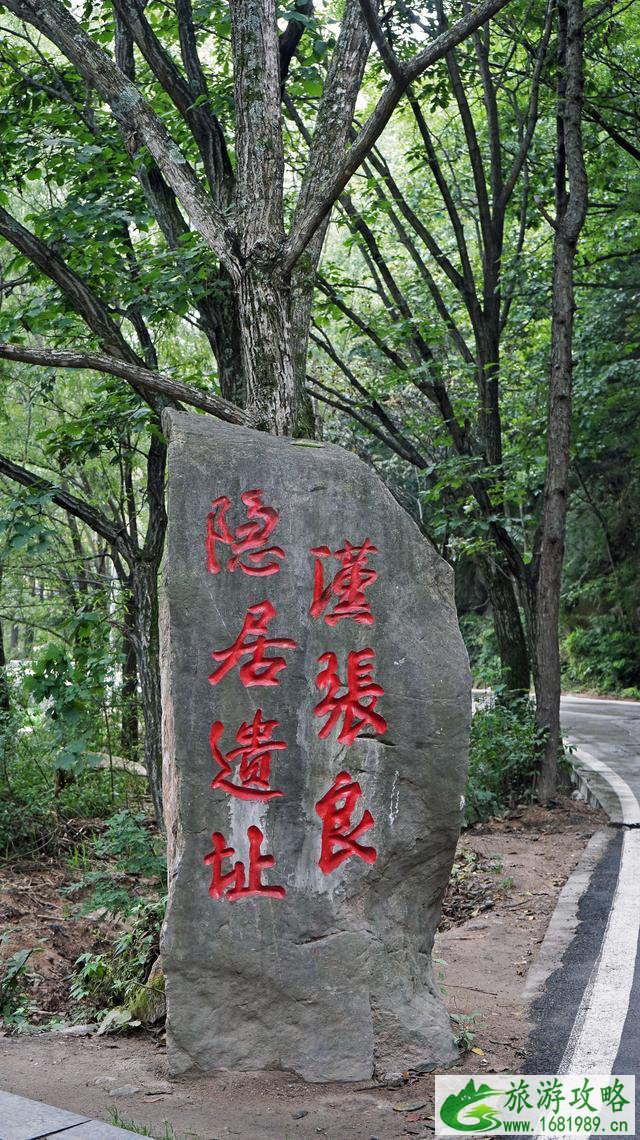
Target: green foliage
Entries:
(14, 1005)
(114, 977)
(503, 754)
(32, 816)
(480, 640)
(128, 846)
(602, 656)
(71, 690)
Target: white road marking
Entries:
(629, 806)
(567, 698)
(595, 1038)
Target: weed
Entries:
(125, 847)
(14, 1006)
(467, 1024)
(119, 1121)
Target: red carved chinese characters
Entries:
(253, 755)
(350, 704)
(232, 884)
(348, 585)
(335, 810)
(250, 539)
(252, 642)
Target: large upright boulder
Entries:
(316, 697)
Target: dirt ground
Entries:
(507, 876)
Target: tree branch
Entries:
(614, 134)
(532, 109)
(204, 127)
(289, 39)
(134, 374)
(99, 523)
(135, 116)
(93, 311)
(327, 194)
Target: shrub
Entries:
(503, 755)
(32, 816)
(115, 977)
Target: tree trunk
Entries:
(144, 587)
(546, 602)
(5, 696)
(507, 623)
(129, 733)
(571, 207)
(265, 344)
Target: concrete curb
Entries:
(600, 787)
(23, 1119)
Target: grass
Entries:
(119, 1121)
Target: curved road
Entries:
(588, 1018)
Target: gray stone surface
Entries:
(97, 1130)
(333, 981)
(23, 1119)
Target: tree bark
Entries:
(144, 590)
(129, 731)
(571, 207)
(5, 695)
(507, 623)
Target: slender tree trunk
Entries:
(5, 696)
(571, 206)
(129, 734)
(144, 588)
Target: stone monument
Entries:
(316, 711)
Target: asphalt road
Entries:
(588, 1019)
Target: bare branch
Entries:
(329, 193)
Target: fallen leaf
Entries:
(409, 1107)
(479, 1052)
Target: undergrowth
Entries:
(503, 756)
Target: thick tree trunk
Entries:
(265, 345)
(571, 206)
(227, 343)
(507, 623)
